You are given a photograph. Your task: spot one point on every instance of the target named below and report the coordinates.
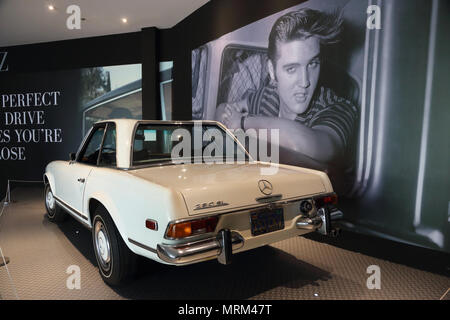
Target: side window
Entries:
(199, 71)
(108, 155)
(90, 152)
(243, 71)
(145, 144)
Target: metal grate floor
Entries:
(40, 253)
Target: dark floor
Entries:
(312, 267)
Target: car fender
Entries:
(324, 177)
(48, 176)
(110, 206)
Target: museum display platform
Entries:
(42, 255)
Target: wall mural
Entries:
(44, 116)
(165, 89)
(331, 77)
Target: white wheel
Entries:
(54, 212)
(102, 245)
(115, 261)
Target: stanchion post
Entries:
(8, 195)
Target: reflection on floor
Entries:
(40, 253)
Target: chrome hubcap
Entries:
(102, 245)
(50, 200)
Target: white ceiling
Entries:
(30, 21)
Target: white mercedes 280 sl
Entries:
(141, 193)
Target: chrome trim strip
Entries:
(274, 197)
(69, 208)
(143, 246)
(75, 214)
(144, 166)
(165, 163)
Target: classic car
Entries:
(139, 198)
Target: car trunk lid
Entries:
(210, 188)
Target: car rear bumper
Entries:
(322, 222)
(223, 245)
(199, 250)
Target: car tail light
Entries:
(191, 228)
(326, 200)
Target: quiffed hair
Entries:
(305, 23)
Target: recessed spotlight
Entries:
(124, 20)
(51, 8)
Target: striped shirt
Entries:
(325, 109)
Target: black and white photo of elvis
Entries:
(317, 127)
(343, 96)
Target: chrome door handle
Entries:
(81, 180)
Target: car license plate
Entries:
(266, 221)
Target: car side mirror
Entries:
(72, 156)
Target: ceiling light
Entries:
(124, 20)
(51, 8)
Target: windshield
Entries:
(185, 143)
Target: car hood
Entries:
(210, 188)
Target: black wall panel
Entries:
(78, 53)
(150, 74)
(36, 63)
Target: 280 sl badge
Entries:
(209, 205)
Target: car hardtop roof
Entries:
(134, 121)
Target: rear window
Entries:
(160, 143)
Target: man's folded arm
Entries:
(321, 143)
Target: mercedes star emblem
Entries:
(265, 187)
